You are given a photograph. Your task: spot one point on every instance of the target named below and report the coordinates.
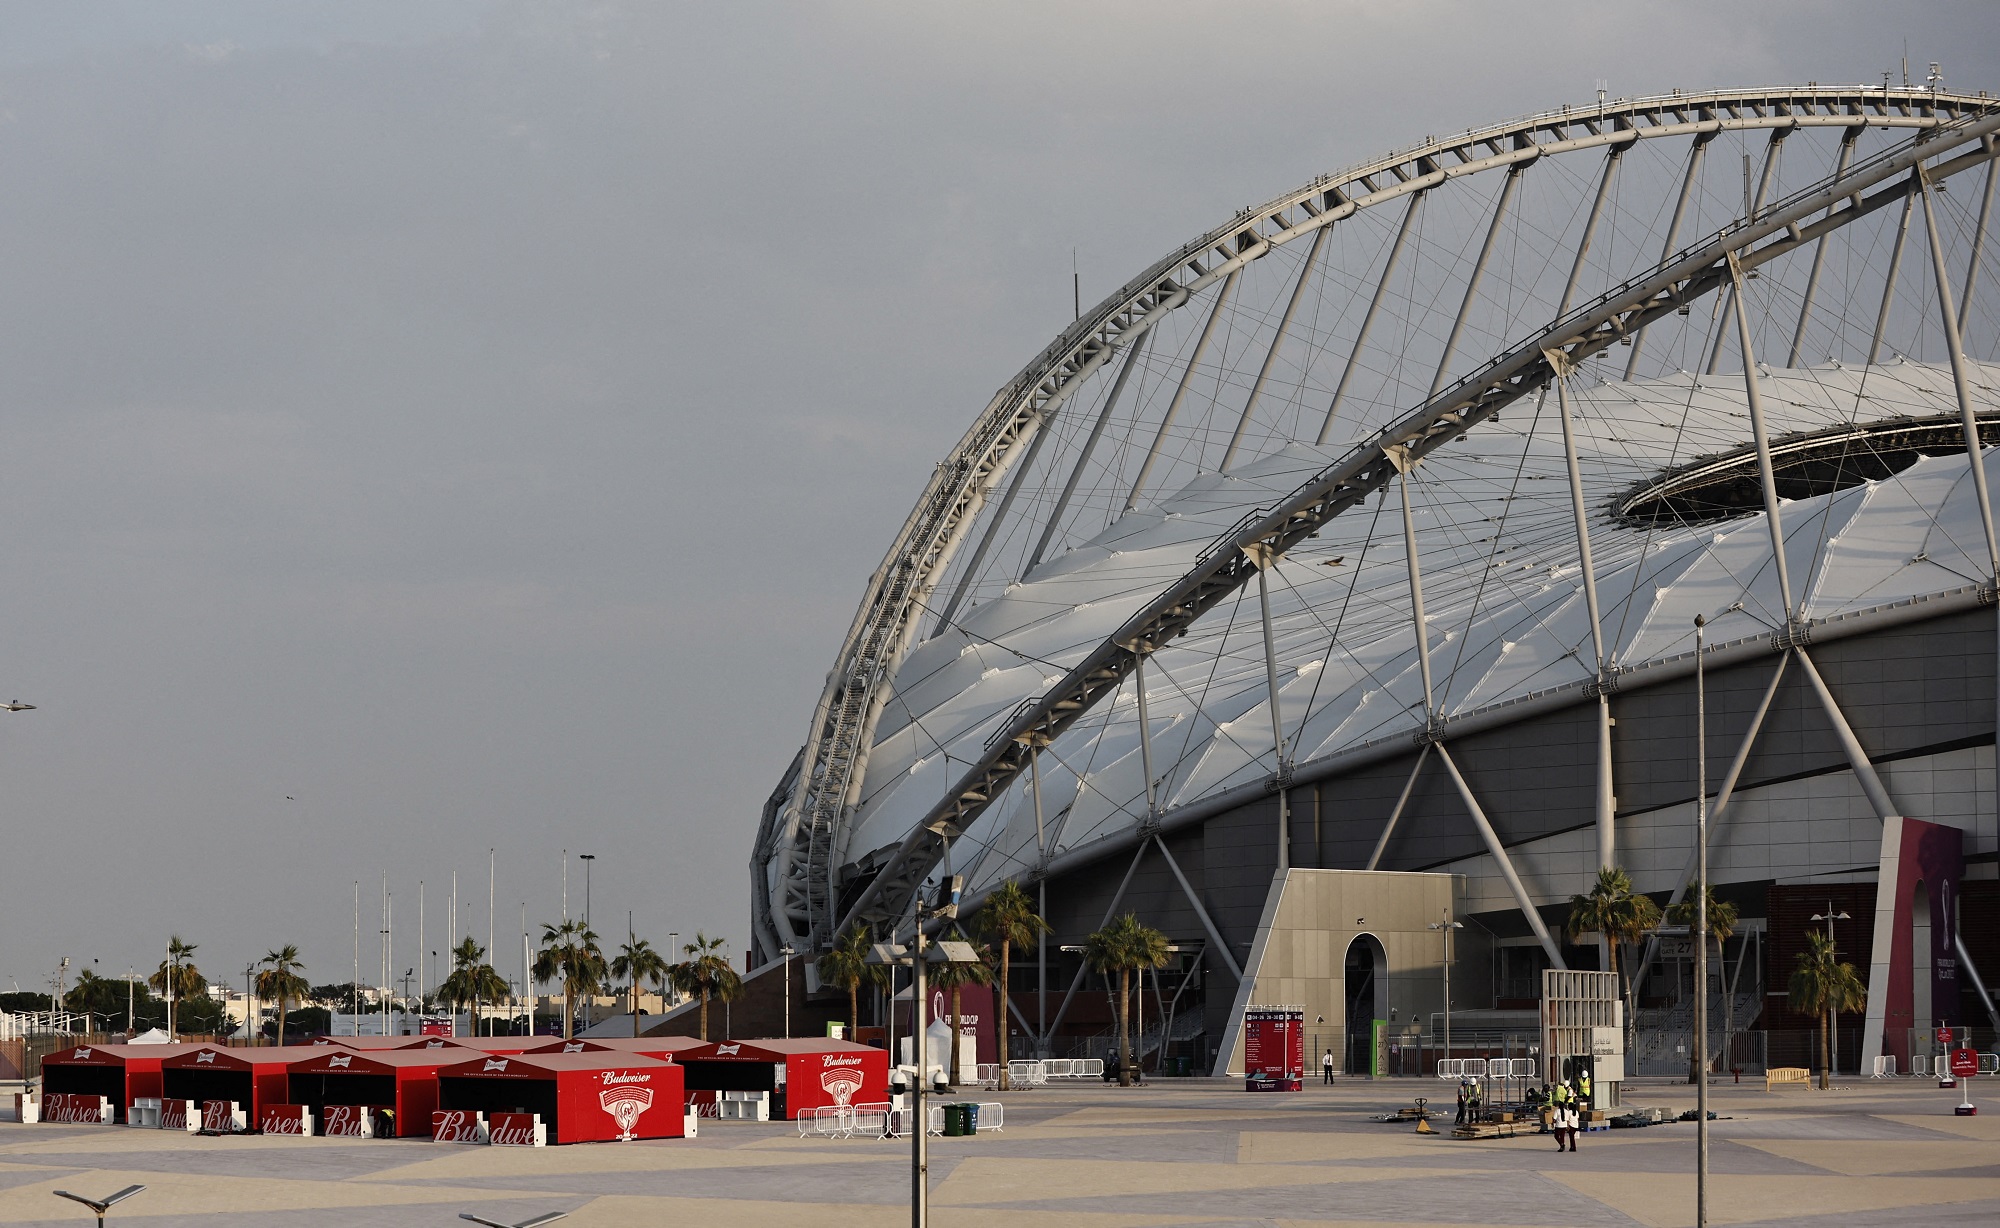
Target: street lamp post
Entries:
(1701, 924)
(1447, 925)
(1833, 1030)
(788, 952)
(586, 859)
(673, 948)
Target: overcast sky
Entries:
(433, 426)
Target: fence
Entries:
(1026, 1074)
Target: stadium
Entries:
(1332, 586)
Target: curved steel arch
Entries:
(804, 826)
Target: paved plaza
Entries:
(1179, 1152)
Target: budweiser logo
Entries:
(455, 1126)
(625, 1104)
(204, 1059)
(335, 1063)
(836, 1059)
(83, 1054)
(513, 1129)
(218, 1116)
(494, 1063)
(728, 1050)
(346, 1121)
(284, 1119)
(433, 1044)
(841, 1084)
(613, 1077)
(174, 1114)
(76, 1109)
(574, 1046)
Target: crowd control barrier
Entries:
(1038, 1073)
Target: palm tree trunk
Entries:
(1124, 1027)
(1006, 951)
(704, 1010)
(951, 1059)
(281, 1021)
(1825, 1050)
(566, 1011)
(1624, 974)
(853, 1007)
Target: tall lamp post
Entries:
(1447, 925)
(1701, 924)
(788, 952)
(673, 948)
(586, 859)
(1833, 1030)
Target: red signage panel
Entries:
(176, 1114)
(457, 1126)
(346, 1121)
(1964, 1063)
(1274, 1052)
(283, 1119)
(517, 1130)
(218, 1116)
(77, 1108)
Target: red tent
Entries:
(252, 1078)
(119, 1073)
(662, 1047)
(802, 1074)
(371, 1044)
(404, 1080)
(580, 1097)
(499, 1044)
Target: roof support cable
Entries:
(1277, 343)
(1889, 281)
(1507, 187)
(1688, 180)
(1732, 299)
(1948, 314)
(1590, 229)
(1972, 261)
(1396, 813)
(1762, 435)
(1089, 446)
(1606, 804)
(1368, 318)
(1498, 852)
(1845, 156)
(1180, 393)
(1721, 808)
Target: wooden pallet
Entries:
(1486, 1129)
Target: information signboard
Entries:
(1274, 1048)
(1964, 1063)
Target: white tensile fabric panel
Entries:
(1502, 585)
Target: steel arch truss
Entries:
(1230, 561)
(805, 833)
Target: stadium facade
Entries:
(1336, 579)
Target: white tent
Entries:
(153, 1037)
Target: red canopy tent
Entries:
(500, 1045)
(404, 1080)
(662, 1047)
(119, 1073)
(371, 1044)
(580, 1097)
(252, 1078)
(802, 1074)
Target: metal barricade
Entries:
(871, 1120)
(1884, 1067)
(829, 1121)
(1027, 1074)
(987, 1074)
(1089, 1068)
(1060, 1067)
(1450, 1067)
(992, 1116)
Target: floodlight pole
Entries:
(787, 952)
(1447, 925)
(1701, 925)
(920, 1186)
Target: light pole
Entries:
(673, 948)
(1700, 924)
(787, 952)
(1833, 1030)
(248, 1022)
(917, 954)
(1447, 925)
(586, 859)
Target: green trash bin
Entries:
(954, 1121)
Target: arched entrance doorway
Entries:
(1367, 986)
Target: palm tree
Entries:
(281, 980)
(955, 977)
(1009, 919)
(1721, 925)
(1821, 984)
(570, 954)
(1125, 946)
(178, 977)
(1623, 916)
(847, 966)
(638, 960)
(706, 971)
(472, 980)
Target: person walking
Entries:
(1326, 1068)
(1560, 1101)
(1460, 1119)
